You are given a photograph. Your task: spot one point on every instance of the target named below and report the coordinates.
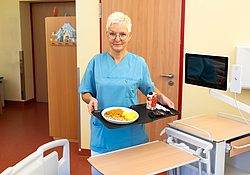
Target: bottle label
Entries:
(151, 101)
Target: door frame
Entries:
(181, 57)
(32, 42)
(183, 3)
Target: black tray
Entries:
(143, 116)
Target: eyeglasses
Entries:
(122, 36)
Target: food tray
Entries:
(143, 116)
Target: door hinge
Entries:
(100, 10)
(180, 42)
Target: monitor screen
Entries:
(207, 70)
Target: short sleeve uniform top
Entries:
(116, 85)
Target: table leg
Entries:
(219, 158)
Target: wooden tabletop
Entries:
(150, 158)
(219, 128)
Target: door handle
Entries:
(171, 75)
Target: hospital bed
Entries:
(37, 164)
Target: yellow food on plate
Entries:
(129, 117)
(133, 114)
(125, 113)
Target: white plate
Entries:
(119, 122)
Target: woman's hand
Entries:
(165, 101)
(91, 101)
(93, 104)
(161, 98)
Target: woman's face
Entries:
(118, 37)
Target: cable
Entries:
(239, 110)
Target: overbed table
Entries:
(150, 158)
(221, 131)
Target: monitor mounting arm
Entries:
(229, 100)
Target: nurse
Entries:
(113, 79)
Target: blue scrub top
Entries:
(116, 85)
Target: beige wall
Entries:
(9, 48)
(88, 45)
(214, 27)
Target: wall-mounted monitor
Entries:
(207, 70)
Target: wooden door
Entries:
(39, 12)
(62, 82)
(156, 32)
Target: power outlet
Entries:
(236, 79)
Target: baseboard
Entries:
(69, 139)
(85, 152)
(19, 103)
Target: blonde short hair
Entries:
(119, 18)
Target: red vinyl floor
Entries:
(24, 129)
